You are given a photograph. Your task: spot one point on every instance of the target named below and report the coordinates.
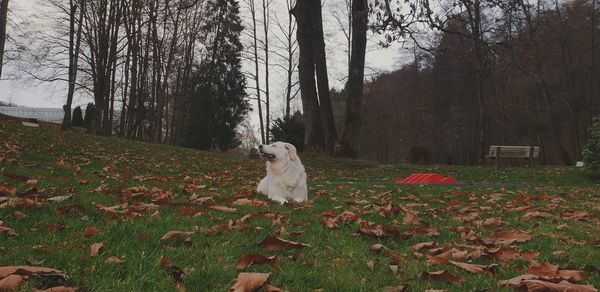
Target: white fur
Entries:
(286, 178)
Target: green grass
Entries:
(335, 261)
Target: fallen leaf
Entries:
(178, 235)
(544, 270)
(90, 231)
(564, 286)
(191, 212)
(400, 288)
(223, 209)
(59, 289)
(59, 198)
(273, 244)
(507, 237)
(165, 262)
(8, 191)
(443, 276)
(250, 282)
(114, 260)
(11, 282)
(8, 230)
(256, 259)
(55, 227)
(155, 216)
(251, 202)
(95, 249)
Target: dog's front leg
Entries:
(279, 200)
(263, 186)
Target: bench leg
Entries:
(497, 157)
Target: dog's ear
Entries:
(292, 151)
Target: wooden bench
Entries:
(525, 152)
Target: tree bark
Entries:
(329, 131)
(351, 136)
(74, 46)
(265, 6)
(3, 23)
(313, 135)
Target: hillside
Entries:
(96, 209)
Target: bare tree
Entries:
(351, 136)
(289, 45)
(75, 28)
(266, 22)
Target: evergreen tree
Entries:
(77, 120)
(90, 111)
(218, 104)
(290, 129)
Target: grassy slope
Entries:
(336, 260)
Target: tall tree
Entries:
(3, 23)
(218, 105)
(75, 28)
(303, 12)
(351, 136)
(266, 22)
(329, 131)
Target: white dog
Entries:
(286, 179)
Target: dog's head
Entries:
(278, 152)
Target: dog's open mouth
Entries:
(268, 156)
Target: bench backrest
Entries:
(514, 151)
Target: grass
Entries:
(336, 259)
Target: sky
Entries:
(17, 88)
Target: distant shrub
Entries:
(90, 111)
(77, 120)
(591, 151)
(289, 130)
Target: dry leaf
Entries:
(507, 237)
(114, 260)
(90, 231)
(250, 282)
(223, 209)
(443, 276)
(256, 259)
(95, 249)
(59, 289)
(273, 244)
(8, 230)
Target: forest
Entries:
(211, 74)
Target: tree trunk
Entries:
(313, 135)
(265, 6)
(327, 121)
(3, 23)
(351, 136)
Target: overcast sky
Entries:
(25, 92)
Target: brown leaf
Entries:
(178, 235)
(443, 276)
(400, 288)
(165, 262)
(55, 227)
(95, 249)
(11, 282)
(253, 202)
(544, 270)
(90, 231)
(191, 212)
(273, 244)
(250, 282)
(114, 260)
(507, 237)
(256, 259)
(7, 191)
(59, 289)
(564, 286)
(20, 215)
(421, 245)
(495, 222)
(410, 218)
(223, 208)
(155, 216)
(8, 230)
(84, 181)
